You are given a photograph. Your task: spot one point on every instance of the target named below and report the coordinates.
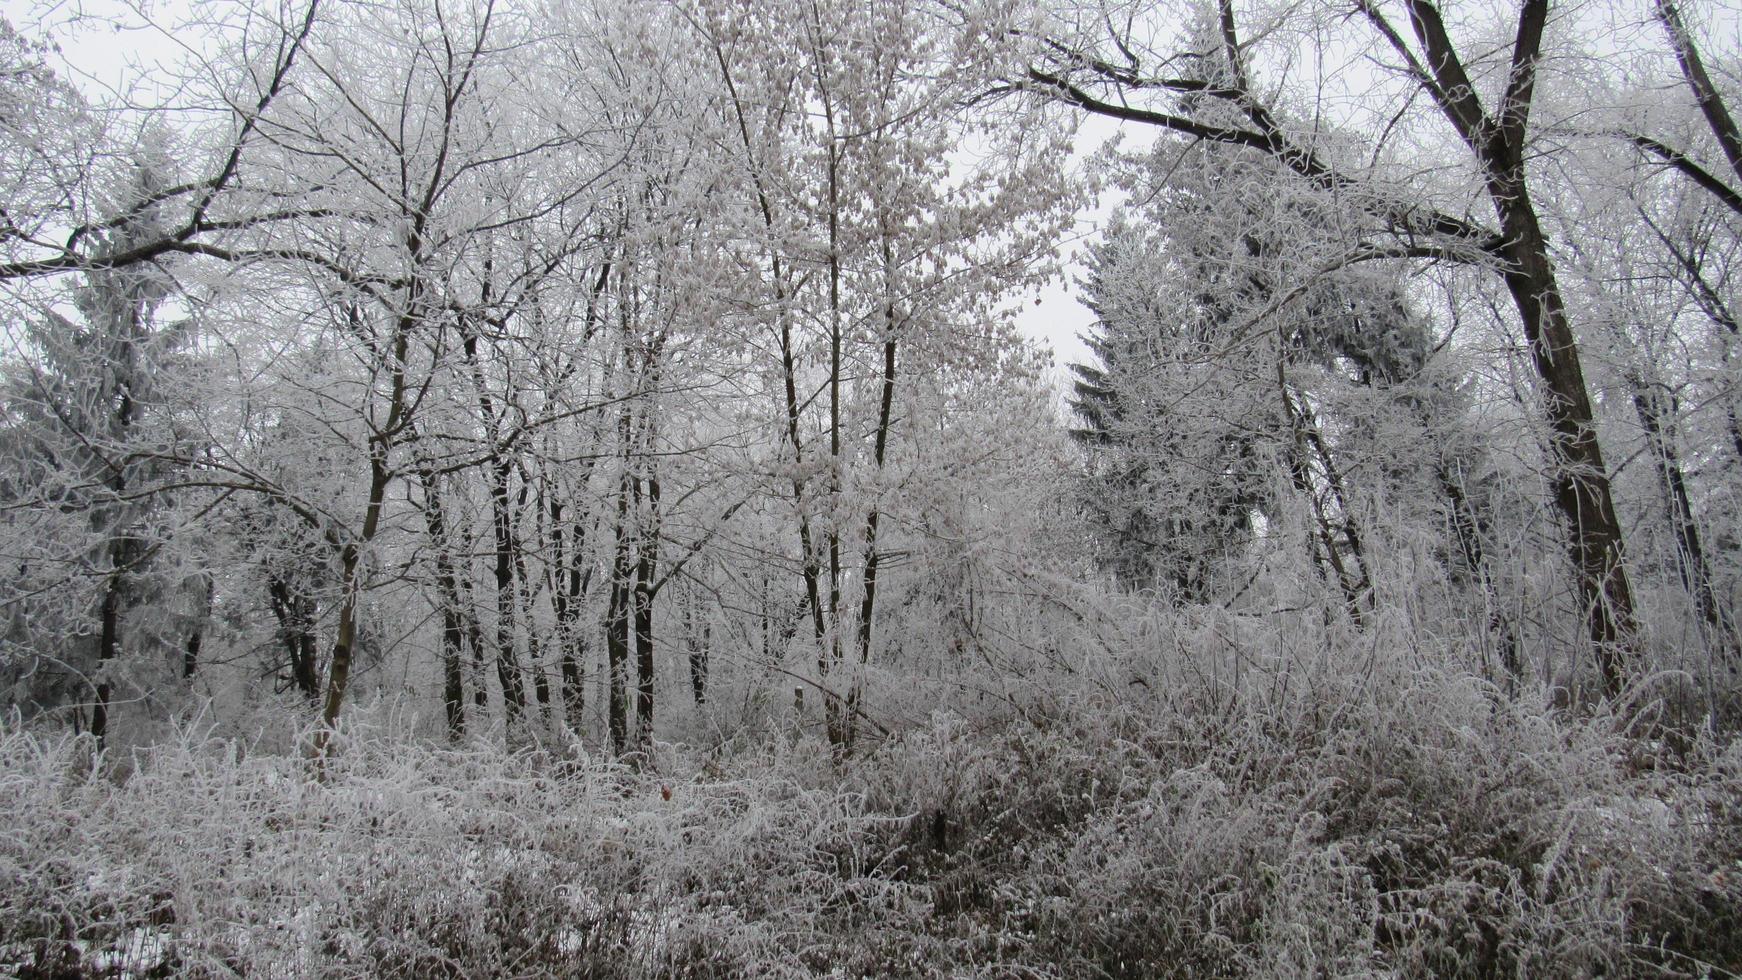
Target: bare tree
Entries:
(1221, 103)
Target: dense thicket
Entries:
(559, 489)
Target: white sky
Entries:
(105, 44)
(1060, 318)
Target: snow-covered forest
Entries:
(545, 488)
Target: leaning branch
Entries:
(180, 240)
(1681, 163)
(1408, 222)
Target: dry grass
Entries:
(1329, 812)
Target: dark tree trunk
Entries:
(350, 589)
(295, 615)
(190, 657)
(108, 645)
(617, 614)
(1468, 529)
(190, 654)
(351, 554)
(1711, 103)
(508, 671)
(523, 596)
(643, 595)
(880, 447)
(809, 560)
(810, 565)
(122, 553)
(454, 613)
(1657, 418)
(697, 648)
(569, 590)
(1580, 479)
(837, 721)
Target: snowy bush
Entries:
(1327, 813)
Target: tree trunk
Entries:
(1467, 529)
(1657, 419)
(295, 615)
(344, 640)
(122, 550)
(508, 671)
(524, 602)
(697, 648)
(381, 443)
(810, 564)
(190, 654)
(1303, 430)
(568, 591)
(880, 449)
(1579, 478)
(617, 614)
(642, 596)
(838, 722)
(1706, 94)
(190, 658)
(350, 590)
(108, 646)
(454, 614)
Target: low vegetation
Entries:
(1330, 813)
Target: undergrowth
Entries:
(1308, 821)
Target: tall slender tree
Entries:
(1110, 77)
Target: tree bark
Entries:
(524, 601)
(190, 660)
(108, 644)
(123, 551)
(879, 452)
(508, 671)
(454, 613)
(697, 648)
(569, 590)
(1706, 95)
(838, 722)
(809, 561)
(1579, 477)
(350, 583)
(617, 615)
(647, 561)
(1657, 419)
(295, 614)
(381, 443)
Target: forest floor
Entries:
(1401, 822)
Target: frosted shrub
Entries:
(411, 861)
(1304, 802)
(1254, 798)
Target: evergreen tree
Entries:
(1174, 484)
(90, 428)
